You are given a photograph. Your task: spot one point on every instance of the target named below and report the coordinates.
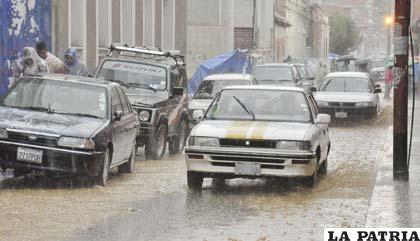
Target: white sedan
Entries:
(348, 94)
(259, 131)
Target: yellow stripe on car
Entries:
(238, 130)
(258, 131)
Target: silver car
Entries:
(209, 88)
(259, 131)
(348, 94)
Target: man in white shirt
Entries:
(55, 65)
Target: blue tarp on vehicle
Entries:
(235, 61)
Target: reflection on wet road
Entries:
(154, 204)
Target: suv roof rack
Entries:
(173, 54)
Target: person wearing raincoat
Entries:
(29, 64)
(389, 79)
(73, 65)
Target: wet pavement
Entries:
(155, 204)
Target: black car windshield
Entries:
(346, 85)
(265, 105)
(273, 74)
(134, 75)
(209, 88)
(59, 97)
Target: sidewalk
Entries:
(396, 204)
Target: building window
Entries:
(243, 38)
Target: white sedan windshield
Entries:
(269, 105)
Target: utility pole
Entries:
(401, 33)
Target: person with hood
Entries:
(30, 64)
(73, 65)
(55, 65)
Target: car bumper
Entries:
(53, 159)
(222, 161)
(351, 112)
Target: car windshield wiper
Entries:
(143, 86)
(249, 111)
(35, 108)
(76, 114)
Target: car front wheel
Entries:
(177, 144)
(102, 178)
(194, 180)
(156, 147)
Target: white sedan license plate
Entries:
(29, 155)
(341, 114)
(247, 168)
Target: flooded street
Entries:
(155, 204)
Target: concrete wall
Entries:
(297, 33)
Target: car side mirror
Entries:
(323, 119)
(177, 91)
(313, 89)
(117, 115)
(377, 91)
(198, 114)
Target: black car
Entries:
(155, 82)
(64, 125)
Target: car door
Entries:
(324, 131)
(117, 128)
(130, 123)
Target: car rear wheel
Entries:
(177, 144)
(129, 166)
(194, 180)
(102, 178)
(156, 147)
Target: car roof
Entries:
(348, 75)
(77, 79)
(273, 65)
(264, 87)
(229, 77)
(163, 62)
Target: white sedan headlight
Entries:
(144, 115)
(364, 104)
(3, 134)
(74, 142)
(204, 141)
(293, 145)
(322, 104)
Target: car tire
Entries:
(312, 181)
(156, 147)
(129, 166)
(194, 180)
(177, 144)
(102, 178)
(323, 169)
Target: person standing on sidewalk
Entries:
(389, 78)
(29, 64)
(55, 65)
(73, 64)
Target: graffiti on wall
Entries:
(22, 23)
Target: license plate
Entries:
(341, 114)
(29, 155)
(247, 168)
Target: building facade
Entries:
(91, 26)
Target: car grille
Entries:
(341, 104)
(37, 139)
(247, 143)
(247, 159)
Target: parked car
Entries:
(210, 86)
(317, 67)
(346, 94)
(62, 124)
(307, 80)
(155, 83)
(257, 132)
(277, 74)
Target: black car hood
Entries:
(57, 124)
(147, 100)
